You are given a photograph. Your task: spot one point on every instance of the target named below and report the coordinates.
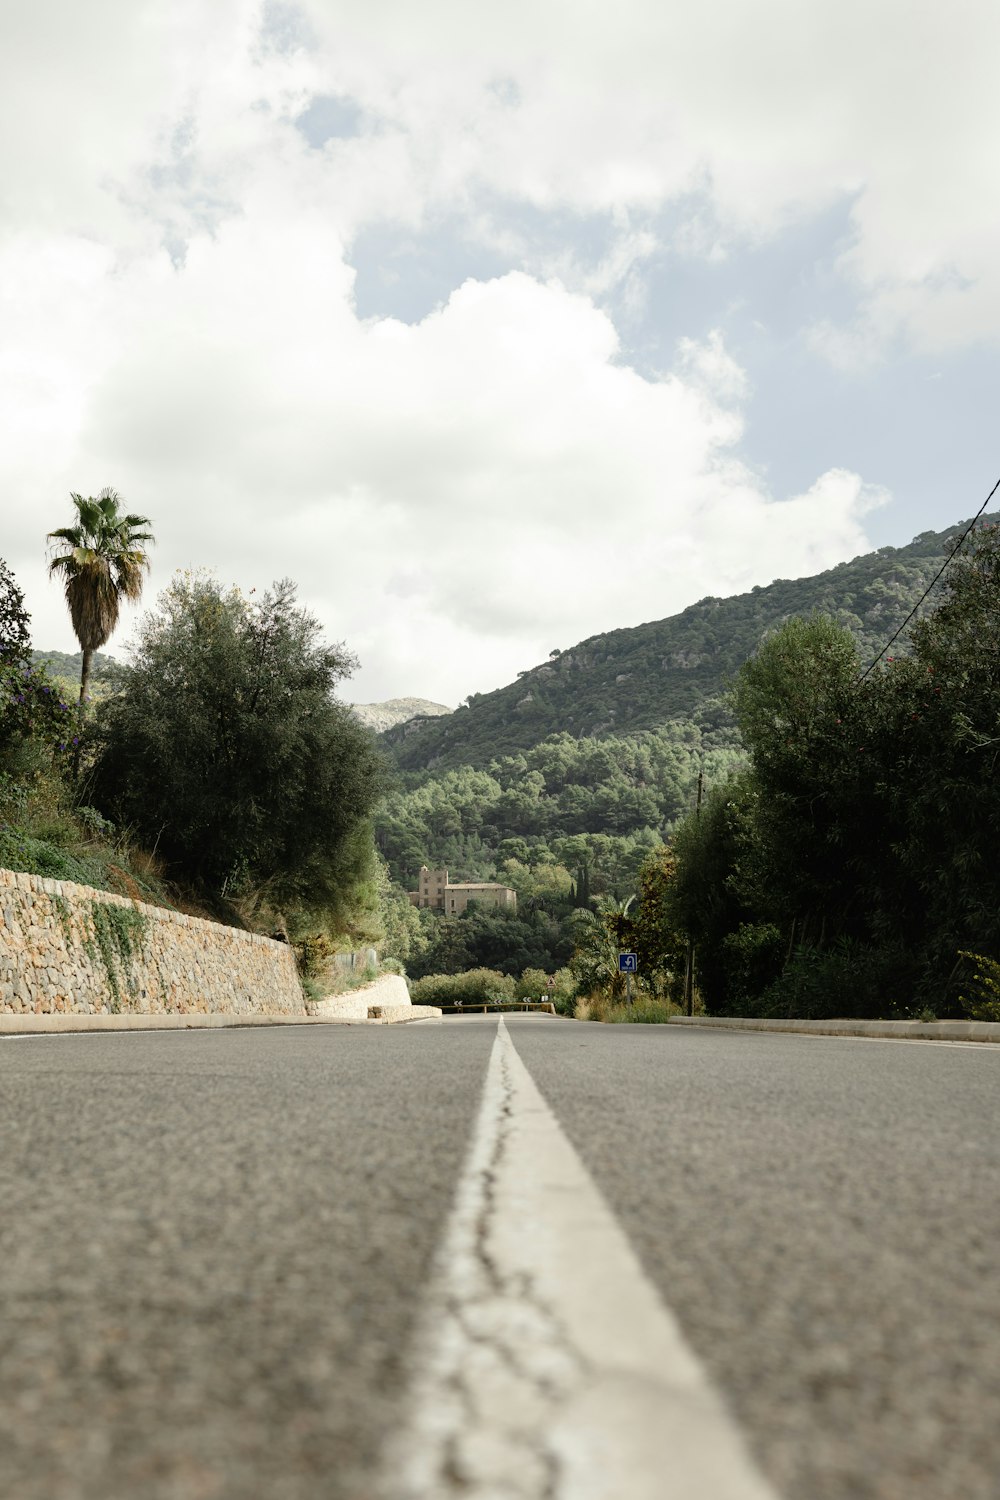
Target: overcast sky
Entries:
(495, 326)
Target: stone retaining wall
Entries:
(67, 949)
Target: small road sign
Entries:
(628, 963)
(550, 983)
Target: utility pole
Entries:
(689, 961)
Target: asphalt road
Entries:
(214, 1245)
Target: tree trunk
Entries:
(791, 942)
(88, 657)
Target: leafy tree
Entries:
(15, 633)
(103, 565)
(402, 933)
(226, 750)
(857, 855)
(939, 738)
(797, 705)
(703, 901)
(659, 946)
(448, 950)
(31, 708)
(600, 937)
(545, 884)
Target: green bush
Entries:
(643, 1013)
(984, 1003)
(847, 979)
(475, 987)
(313, 953)
(752, 958)
(532, 985)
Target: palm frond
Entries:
(105, 563)
(93, 604)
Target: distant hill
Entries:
(64, 668)
(650, 675)
(70, 663)
(383, 716)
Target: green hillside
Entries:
(64, 668)
(70, 663)
(642, 678)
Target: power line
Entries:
(934, 581)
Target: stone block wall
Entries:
(67, 949)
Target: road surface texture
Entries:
(218, 1249)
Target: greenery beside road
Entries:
(227, 752)
(220, 773)
(851, 869)
(847, 866)
(575, 823)
(842, 861)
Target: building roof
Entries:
(481, 885)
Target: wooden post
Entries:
(689, 962)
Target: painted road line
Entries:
(545, 1363)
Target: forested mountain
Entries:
(669, 670)
(599, 804)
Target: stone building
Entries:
(435, 891)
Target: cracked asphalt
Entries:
(823, 1217)
(491, 1356)
(214, 1246)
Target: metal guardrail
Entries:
(482, 1008)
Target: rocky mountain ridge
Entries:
(397, 711)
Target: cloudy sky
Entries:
(495, 326)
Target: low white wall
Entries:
(388, 994)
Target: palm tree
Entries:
(103, 564)
(599, 936)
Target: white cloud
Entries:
(459, 495)
(454, 497)
(772, 110)
(709, 365)
(135, 121)
(750, 116)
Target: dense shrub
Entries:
(983, 1001)
(227, 751)
(34, 720)
(847, 979)
(475, 987)
(752, 957)
(645, 1010)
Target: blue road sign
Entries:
(628, 963)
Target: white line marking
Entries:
(546, 1367)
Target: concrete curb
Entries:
(13, 1025)
(932, 1031)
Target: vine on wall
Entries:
(65, 915)
(119, 933)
